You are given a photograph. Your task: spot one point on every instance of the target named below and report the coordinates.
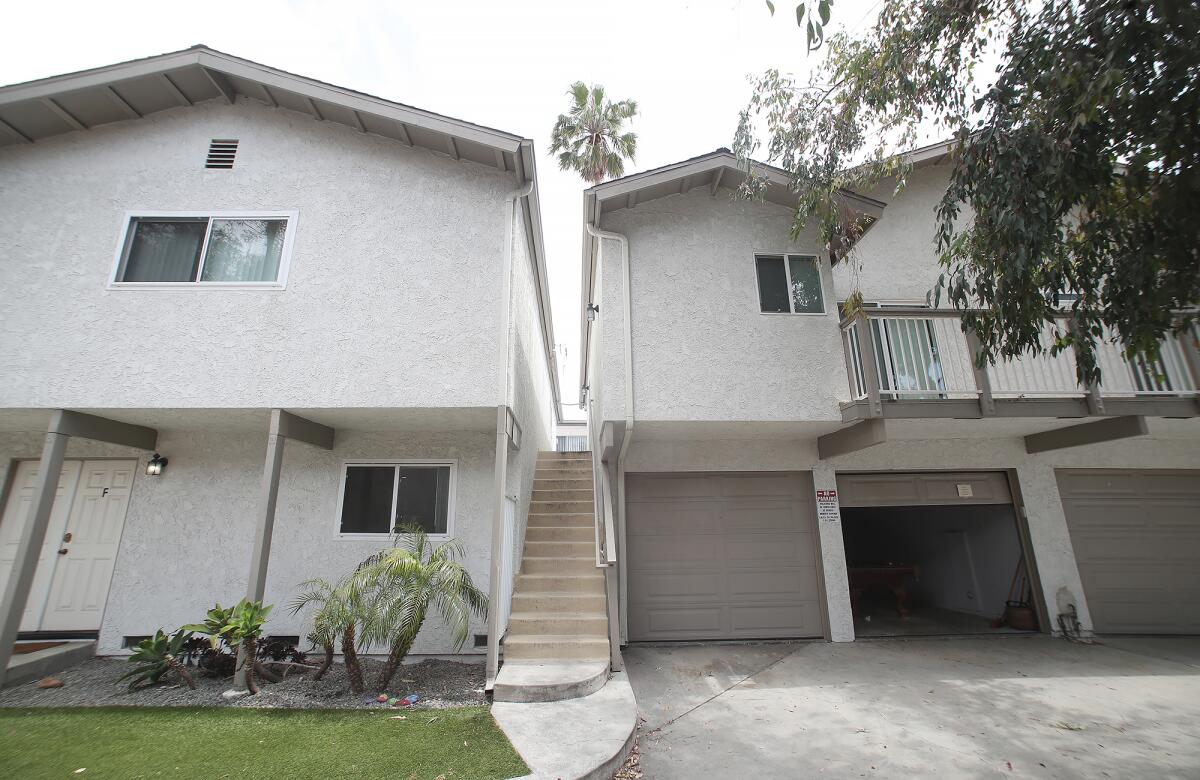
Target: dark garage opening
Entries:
(936, 570)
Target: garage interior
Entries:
(934, 555)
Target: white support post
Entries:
(833, 564)
(20, 578)
(500, 477)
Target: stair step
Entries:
(558, 602)
(577, 548)
(567, 518)
(558, 647)
(558, 583)
(527, 681)
(559, 564)
(574, 623)
(563, 483)
(563, 494)
(541, 507)
(561, 533)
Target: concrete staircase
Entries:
(557, 641)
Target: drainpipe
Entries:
(501, 474)
(628, 437)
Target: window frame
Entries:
(291, 217)
(451, 490)
(787, 270)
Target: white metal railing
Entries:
(919, 354)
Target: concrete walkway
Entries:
(575, 739)
(961, 708)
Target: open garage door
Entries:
(722, 556)
(1136, 536)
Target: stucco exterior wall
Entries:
(389, 301)
(530, 397)
(702, 350)
(187, 537)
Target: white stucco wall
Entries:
(390, 297)
(187, 537)
(702, 350)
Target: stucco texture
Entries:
(187, 537)
(702, 350)
(389, 301)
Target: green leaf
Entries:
(771, 7)
(800, 14)
(823, 10)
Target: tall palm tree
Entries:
(409, 579)
(589, 138)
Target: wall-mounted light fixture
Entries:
(156, 465)
(593, 309)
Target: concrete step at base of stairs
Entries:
(559, 601)
(560, 583)
(555, 647)
(574, 548)
(530, 681)
(561, 519)
(574, 534)
(559, 565)
(591, 624)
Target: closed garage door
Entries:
(722, 556)
(1136, 536)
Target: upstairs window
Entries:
(378, 498)
(789, 284)
(249, 249)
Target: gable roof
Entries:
(47, 107)
(35, 110)
(714, 170)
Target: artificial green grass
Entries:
(145, 742)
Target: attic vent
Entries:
(221, 153)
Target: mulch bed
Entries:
(436, 683)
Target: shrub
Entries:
(155, 656)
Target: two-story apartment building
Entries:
(775, 470)
(254, 321)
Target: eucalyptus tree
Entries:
(1075, 157)
(590, 138)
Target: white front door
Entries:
(76, 563)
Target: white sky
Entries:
(501, 64)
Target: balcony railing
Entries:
(914, 354)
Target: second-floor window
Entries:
(789, 284)
(249, 249)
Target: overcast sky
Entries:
(502, 64)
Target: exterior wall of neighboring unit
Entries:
(702, 349)
(530, 395)
(1035, 476)
(389, 299)
(187, 537)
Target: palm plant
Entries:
(157, 655)
(342, 608)
(239, 627)
(408, 580)
(588, 139)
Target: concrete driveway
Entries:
(995, 707)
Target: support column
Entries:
(20, 579)
(499, 480)
(833, 564)
(284, 426)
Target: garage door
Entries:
(1137, 541)
(722, 556)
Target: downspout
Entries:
(628, 435)
(501, 475)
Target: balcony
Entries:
(918, 363)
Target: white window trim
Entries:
(787, 270)
(451, 491)
(285, 258)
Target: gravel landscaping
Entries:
(437, 684)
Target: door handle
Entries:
(62, 551)
(67, 536)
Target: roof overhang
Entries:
(35, 110)
(714, 171)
